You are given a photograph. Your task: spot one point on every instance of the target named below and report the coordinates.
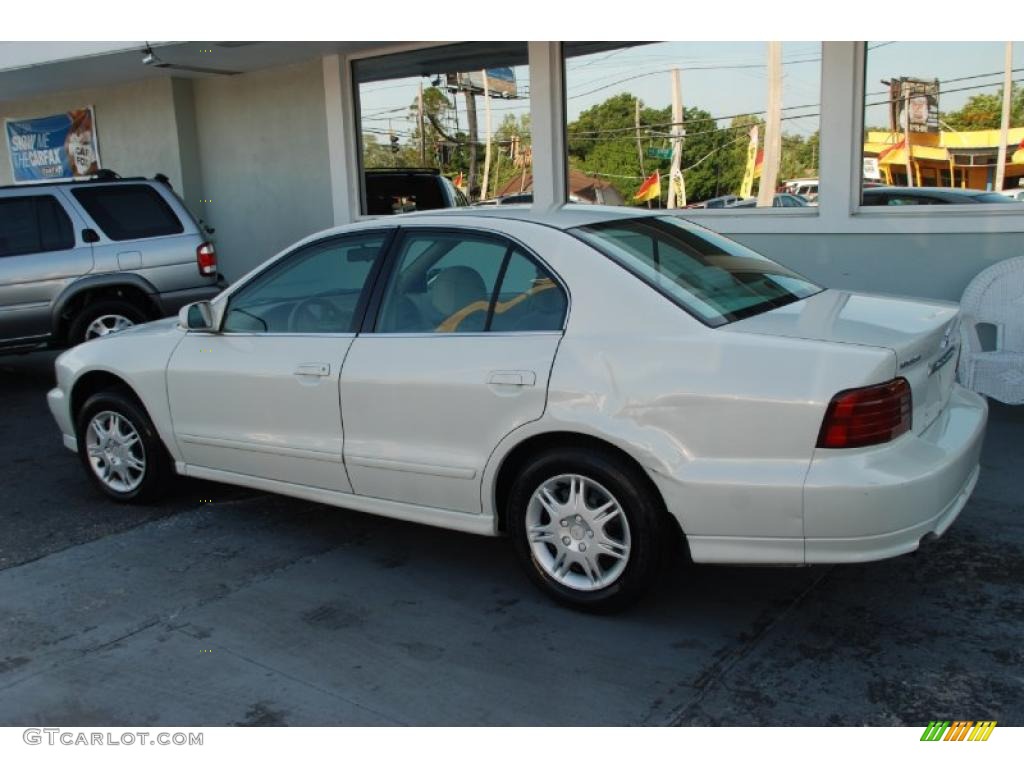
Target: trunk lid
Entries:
(923, 334)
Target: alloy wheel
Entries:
(104, 325)
(578, 532)
(115, 451)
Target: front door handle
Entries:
(313, 369)
(512, 378)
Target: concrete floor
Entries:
(261, 610)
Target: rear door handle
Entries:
(313, 369)
(512, 378)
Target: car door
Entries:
(260, 396)
(455, 354)
(40, 252)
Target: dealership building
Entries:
(265, 142)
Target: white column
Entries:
(547, 125)
(841, 148)
(342, 146)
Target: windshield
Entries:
(708, 275)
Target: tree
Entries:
(985, 110)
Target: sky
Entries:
(724, 79)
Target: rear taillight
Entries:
(206, 258)
(867, 416)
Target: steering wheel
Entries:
(316, 315)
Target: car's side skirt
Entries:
(442, 518)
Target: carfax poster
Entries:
(55, 147)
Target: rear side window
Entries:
(35, 224)
(129, 211)
(713, 278)
(388, 193)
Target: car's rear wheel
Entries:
(586, 527)
(120, 448)
(103, 318)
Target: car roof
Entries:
(564, 217)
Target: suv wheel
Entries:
(586, 528)
(120, 448)
(104, 318)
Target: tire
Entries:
(115, 471)
(627, 543)
(113, 314)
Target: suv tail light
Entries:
(206, 258)
(867, 416)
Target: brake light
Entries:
(206, 258)
(867, 416)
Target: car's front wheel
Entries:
(120, 448)
(586, 526)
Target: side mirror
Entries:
(197, 316)
(90, 236)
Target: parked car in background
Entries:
(929, 196)
(596, 383)
(83, 259)
(806, 188)
(524, 197)
(722, 201)
(404, 190)
(781, 200)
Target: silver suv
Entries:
(87, 258)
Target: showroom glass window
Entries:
(933, 124)
(637, 113)
(443, 126)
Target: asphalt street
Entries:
(225, 606)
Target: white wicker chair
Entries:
(995, 296)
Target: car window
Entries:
(529, 298)
(445, 283)
(442, 283)
(712, 277)
(314, 290)
(129, 211)
(34, 224)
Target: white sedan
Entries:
(592, 382)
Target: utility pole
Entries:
(1004, 125)
(677, 139)
(487, 151)
(639, 149)
(773, 129)
(419, 120)
(906, 135)
(471, 123)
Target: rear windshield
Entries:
(129, 211)
(711, 277)
(402, 193)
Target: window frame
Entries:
(376, 302)
(923, 215)
(279, 263)
(36, 198)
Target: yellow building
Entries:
(965, 159)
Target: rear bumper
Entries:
(879, 502)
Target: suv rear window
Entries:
(388, 193)
(34, 224)
(129, 211)
(713, 278)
